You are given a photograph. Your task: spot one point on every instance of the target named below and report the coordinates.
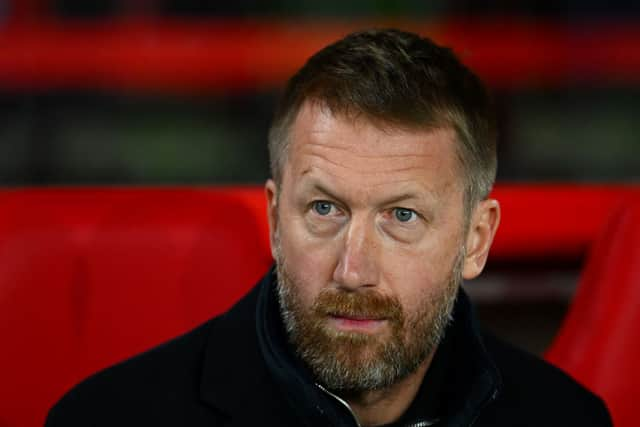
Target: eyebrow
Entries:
(401, 198)
(316, 186)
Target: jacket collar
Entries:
(234, 375)
(473, 380)
(248, 374)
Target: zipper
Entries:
(423, 423)
(343, 402)
(355, 418)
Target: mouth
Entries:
(356, 323)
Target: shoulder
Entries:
(535, 391)
(158, 385)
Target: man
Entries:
(383, 157)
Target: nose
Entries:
(357, 266)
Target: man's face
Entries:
(368, 235)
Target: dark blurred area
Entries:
(565, 77)
(578, 125)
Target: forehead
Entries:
(356, 153)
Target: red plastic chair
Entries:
(89, 277)
(599, 341)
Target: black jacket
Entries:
(237, 370)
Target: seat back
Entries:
(599, 341)
(90, 277)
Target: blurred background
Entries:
(174, 92)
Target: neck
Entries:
(379, 407)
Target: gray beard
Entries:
(352, 362)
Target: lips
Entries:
(358, 323)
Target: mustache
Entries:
(366, 305)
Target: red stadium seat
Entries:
(90, 277)
(599, 342)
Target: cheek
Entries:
(419, 276)
(413, 283)
(309, 263)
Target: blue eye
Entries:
(322, 207)
(404, 215)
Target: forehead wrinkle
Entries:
(359, 154)
(369, 171)
(324, 171)
(325, 159)
(433, 193)
(366, 172)
(417, 190)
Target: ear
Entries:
(483, 225)
(271, 191)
